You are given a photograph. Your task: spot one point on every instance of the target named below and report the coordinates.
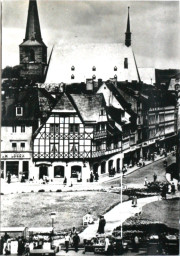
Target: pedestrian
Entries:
(169, 188)
(145, 182)
(119, 246)
(96, 176)
(110, 250)
(173, 188)
(165, 163)
(67, 241)
(76, 241)
(155, 177)
(9, 178)
(106, 244)
(163, 193)
(91, 177)
(102, 223)
(79, 177)
(136, 243)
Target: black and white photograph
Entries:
(90, 127)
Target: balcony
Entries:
(100, 135)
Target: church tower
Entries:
(33, 51)
(128, 32)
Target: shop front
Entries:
(15, 164)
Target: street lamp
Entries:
(53, 215)
(121, 200)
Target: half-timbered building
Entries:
(78, 136)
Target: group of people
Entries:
(168, 189)
(72, 239)
(94, 176)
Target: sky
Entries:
(155, 27)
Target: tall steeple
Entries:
(128, 32)
(33, 31)
(33, 51)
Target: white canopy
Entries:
(41, 230)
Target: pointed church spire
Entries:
(128, 32)
(33, 30)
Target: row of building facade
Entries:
(89, 108)
(62, 134)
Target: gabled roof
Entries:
(64, 104)
(83, 57)
(126, 106)
(89, 106)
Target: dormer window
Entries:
(19, 111)
(93, 68)
(93, 77)
(115, 68)
(125, 63)
(102, 112)
(72, 68)
(72, 76)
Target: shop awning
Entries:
(41, 230)
(43, 163)
(12, 229)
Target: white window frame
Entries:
(17, 111)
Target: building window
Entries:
(102, 112)
(115, 68)
(72, 68)
(14, 129)
(72, 76)
(125, 62)
(93, 77)
(22, 145)
(22, 128)
(93, 68)
(54, 148)
(54, 128)
(74, 148)
(31, 55)
(115, 76)
(74, 128)
(14, 146)
(19, 111)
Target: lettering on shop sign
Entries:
(13, 156)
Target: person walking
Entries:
(136, 243)
(106, 244)
(91, 177)
(96, 176)
(102, 223)
(155, 177)
(9, 178)
(173, 189)
(145, 182)
(76, 241)
(67, 241)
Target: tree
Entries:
(11, 72)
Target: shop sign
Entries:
(151, 141)
(14, 155)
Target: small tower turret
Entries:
(128, 32)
